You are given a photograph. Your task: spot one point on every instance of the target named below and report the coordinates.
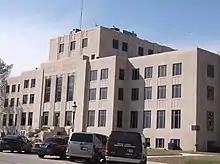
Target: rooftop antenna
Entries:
(80, 26)
(81, 16)
(95, 23)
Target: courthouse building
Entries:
(104, 79)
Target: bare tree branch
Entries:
(5, 71)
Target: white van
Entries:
(88, 146)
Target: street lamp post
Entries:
(74, 112)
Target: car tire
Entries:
(20, 149)
(12, 151)
(62, 157)
(41, 155)
(1, 150)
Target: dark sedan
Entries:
(15, 143)
(53, 146)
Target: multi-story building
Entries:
(103, 79)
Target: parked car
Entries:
(53, 146)
(15, 143)
(88, 146)
(126, 147)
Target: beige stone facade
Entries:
(105, 79)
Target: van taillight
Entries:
(106, 148)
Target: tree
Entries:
(5, 71)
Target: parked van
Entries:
(88, 146)
(126, 147)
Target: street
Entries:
(14, 158)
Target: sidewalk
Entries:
(150, 162)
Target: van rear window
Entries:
(80, 137)
(125, 137)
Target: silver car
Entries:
(88, 146)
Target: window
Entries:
(134, 119)
(140, 51)
(25, 99)
(121, 74)
(17, 103)
(135, 74)
(26, 83)
(176, 142)
(70, 88)
(45, 118)
(160, 119)
(16, 118)
(12, 103)
(93, 56)
(210, 71)
(162, 70)
(102, 118)
(148, 72)
(115, 44)
(134, 94)
(23, 119)
(147, 119)
(210, 93)
(119, 119)
(159, 142)
(31, 101)
(56, 121)
(84, 42)
(177, 69)
(6, 103)
(104, 73)
(10, 121)
(92, 94)
(68, 118)
(210, 121)
(176, 119)
(61, 48)
(4, 121)
(161, 92)
(176, 91)
(58, 91)
(103, 93)
(147, 93)
(120, 93)
(91, 118)
(33, 83)
(30, 118)
(18, 87)
(93, 75)
(150, 52)
(72, 45)
(147, 140)
(13, 89)
(7, 89)
(124, 46)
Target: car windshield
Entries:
(53, 140)
(125, 137)
(12, 137)
(80, 137)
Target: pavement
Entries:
(14, 158)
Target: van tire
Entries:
(72, 159)
(41, 155)
(98, 158)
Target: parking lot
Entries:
(14, 158)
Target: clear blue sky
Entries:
(177, 23)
